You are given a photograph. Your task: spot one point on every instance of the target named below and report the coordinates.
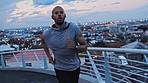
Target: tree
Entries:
(144, 38)
(143, 27)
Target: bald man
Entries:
(65, 40)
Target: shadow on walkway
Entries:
(20, 76)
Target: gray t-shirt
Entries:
(56, 39)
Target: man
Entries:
(65, 40)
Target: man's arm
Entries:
(83, 45)
(46, 49)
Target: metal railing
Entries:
(116, 65)
(35, 58)
(106, 65)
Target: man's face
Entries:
(58, 15)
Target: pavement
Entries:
(25, 76)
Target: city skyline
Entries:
(31, 13)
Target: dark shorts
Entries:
(68, 76)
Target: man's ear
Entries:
(52, 17)
(65, 16)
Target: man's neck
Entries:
(60, 26)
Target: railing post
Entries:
(2, 61)
(99, 78)
(16, 59)
(37, 58)
(45, 61)
(146, 58)
(23, 61)
(107, 69)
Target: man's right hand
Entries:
(71, 44)
(50, 58)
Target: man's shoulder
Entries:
(73, 25)
(45, 32)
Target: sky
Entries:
(34, 13)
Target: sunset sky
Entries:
(31, 13)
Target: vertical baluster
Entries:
(107, 69)
(99, 78)
(45, 61)
(23, 61)
(2, 61)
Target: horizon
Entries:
(35, 13)
(76, 23)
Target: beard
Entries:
(59, 22)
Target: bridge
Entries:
(99, 65)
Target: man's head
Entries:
(58, 15)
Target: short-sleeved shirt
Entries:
(66, 59)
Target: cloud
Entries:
(71, 0)
(44, 2)
(27, 9)
(115, 3)
(91, 6)
(30, 8)
(23, 10)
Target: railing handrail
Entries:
(123, 50)
(20, 51)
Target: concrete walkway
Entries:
(22, 76)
